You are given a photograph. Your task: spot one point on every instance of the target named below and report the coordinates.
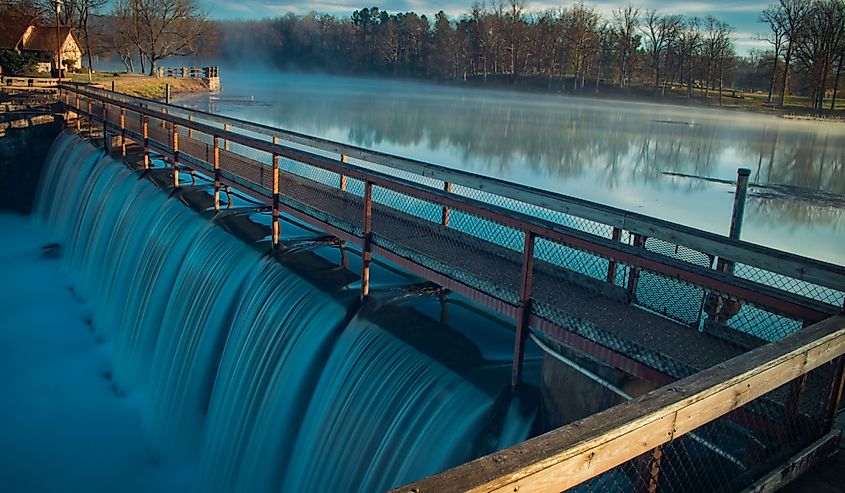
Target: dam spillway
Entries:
(242, 362)
(626, 291)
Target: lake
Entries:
(619, 153)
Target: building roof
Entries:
(44, 39)
(12, 29)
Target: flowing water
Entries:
(661, 160)
(252, 372)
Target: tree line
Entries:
(571, 49)
(574, 48)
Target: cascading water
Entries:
(247, 368)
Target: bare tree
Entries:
(660, 32)
(161, 28)
(794, 15)
(625, 24)
(773, 16)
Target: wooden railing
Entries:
(568, 456)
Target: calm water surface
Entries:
(611, 152)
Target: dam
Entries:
(308, 314)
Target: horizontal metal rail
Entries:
(787, 264)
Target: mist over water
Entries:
(611, 152)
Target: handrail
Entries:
(568, 456)
(788, 264)
(775, 299)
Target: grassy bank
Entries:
(676, 94)
(142, 85)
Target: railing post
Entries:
(167, 94)
(123, 132)
(650, 471)
(366, 254)
(616, 236)
(145, 123)
(67, 107)
(737, 215)
(90, 118)
(77, 108)
(105, 127)
(226, 141)
(175, 156)
(191, 129)
(276, 228)
(836, 390)
(342, 176)
(216, 164)
(634, 273)
(523, 314)
(444, 215)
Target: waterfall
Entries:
(246, 369)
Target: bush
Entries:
(15, 63)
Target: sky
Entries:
(743, 16)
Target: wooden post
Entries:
(836, 390)
(366, 254)
(164, 122)
(167, 94)
(276, 229)
(122, 132)
(67, 107)
(342, 176)
(524, 310)
(175, 156)
(740, 195)
(226, 141)
(216, 164)
(146, 127)
(444, 215)
(112, 86)
(616, 235)
(191, 129)
(634, 274)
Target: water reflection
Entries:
(609, 152)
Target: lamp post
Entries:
(58, 41)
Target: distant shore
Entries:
(797, 107)
(143, 85)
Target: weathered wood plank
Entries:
(565, 457)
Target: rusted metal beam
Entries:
(616, 235)
(216, 166)
(175, 144)
(145, 123)
(444, 218)
(342, 185)
(523, 315)
(366, 254)
(276, 228)
(122, 132)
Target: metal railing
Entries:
(550, 262)
(197, 72)
(723, 429)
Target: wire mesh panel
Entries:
(479, 252)
(733, 451)
(810, 290)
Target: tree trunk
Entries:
(774, 75)
(786, 60)
(153, 65)
(836, 83)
